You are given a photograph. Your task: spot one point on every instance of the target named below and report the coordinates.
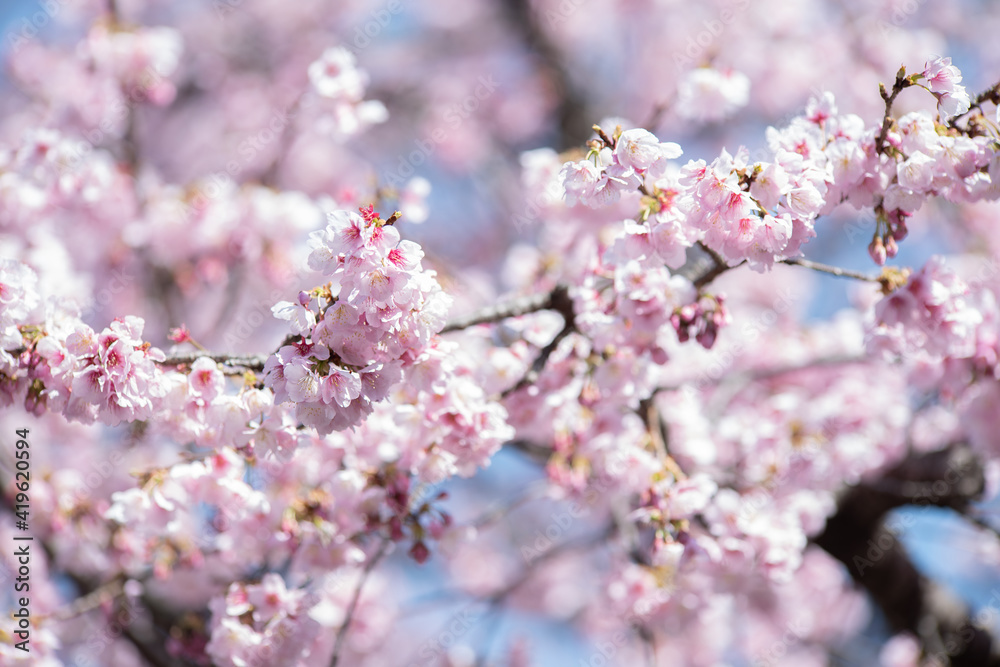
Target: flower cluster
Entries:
(443, 409)
(933, 161)
(62, 365)
(380, 310)
(930, 315)
(755, 213)
(708, 94)
(943, 81)
(162, 522)
(140, 59)
(245, 496)
(637, 312)
(253, 618)
(702, 319)
(118, 373)
(253, 623)
(610, 170)
(339, 81)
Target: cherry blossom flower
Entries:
(707, 94)
(336, 75)
(943, 81)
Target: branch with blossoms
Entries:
(900, 84)
(365, 406)
(991, 95)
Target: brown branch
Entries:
(558, 299)
(338, 644)
(659, 432)
(237, 363)
(703, 265)
(832, 270)
(991, 94)
(562, 303)
(598, 538)
(92, 600)
(857, 537)
(499, 511)
(269, 176)
(979, 523)
(538, 453)
(513, 308)
(897, 87)
(573, 110)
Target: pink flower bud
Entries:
(420, 552)
(395, 528)
(877, 251)
(707, 336)
(891, 247)
(180, 334)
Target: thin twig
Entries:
(660, 435)
(731, 385)
(342, 632)
(718, 267)
(499, 511)
(250, 362)
(152, 651)
(561, 302)
(832, 270)
(496, 616)
(92, 600)
(979, 521)
(494, 600)
(598, 538)
(897, 87)
(558, 299)
(235, 282)
(991, 94)
(513, 308)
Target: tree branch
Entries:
(513, 308)
(897, 87)
(703, 265)
(573, 111)
(991, 94)
(338, 644)
(562, 303)
(237, 363)
(93, 594)
(832, 270)
(856, 536)
(558, 299)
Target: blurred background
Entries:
(471, 88)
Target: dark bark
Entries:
(858, 536)
(573, 115)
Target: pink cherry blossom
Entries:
(634, 396)
(708, 94)
(336, 75)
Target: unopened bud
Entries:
(891, 247)
(877, 251)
